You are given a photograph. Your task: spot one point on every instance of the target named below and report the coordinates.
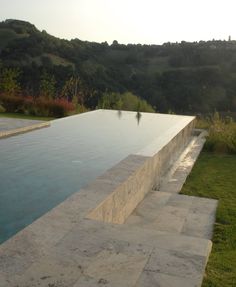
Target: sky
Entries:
(127, 21)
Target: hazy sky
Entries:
(128, 21)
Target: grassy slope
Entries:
(214, 176)
(22, 116)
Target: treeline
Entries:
(66, 101)
(179, 77)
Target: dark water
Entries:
(40, 169)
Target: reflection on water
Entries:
(137, 116)
(119, 114)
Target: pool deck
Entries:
(165, 242)
(10, 127)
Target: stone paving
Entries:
(165, 242)
(12, 126)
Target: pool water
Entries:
(40, 169)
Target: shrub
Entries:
(221, 135)
(60, 108)
(54, 108)
(11, 104)
(39, 107)
(2, 109)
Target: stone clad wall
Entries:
(140, 173)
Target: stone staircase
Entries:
(177, 215)
(165, 242)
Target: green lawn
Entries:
(22, 116)
(214, 176)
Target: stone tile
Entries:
(169, 218)
(87, 281)
(151, 279)
(161, 239)
(152, 203)
(199, 225)
(204, 205)
(82, 245)
(50, 272)
(55, 224)
(180, 200)
(6, 281)
(114, 269)
(176, 263)
(172, 187)
(18, 253)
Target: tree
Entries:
(9, 81)
(126, 101)
(70, 89)
(47, 86)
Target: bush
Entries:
(126, 101)
(2, 109)
(221, 135)
(60, 108)
(12, 104)
(38, 107)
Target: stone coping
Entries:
(20, 130)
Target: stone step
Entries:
(183, 166)
(175, 213)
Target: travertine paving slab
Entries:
(199, 225)
(176, 263)
(49, 272)
(172, 186)
(149, 278)
(170, 219)
(203, 205)
(115, 269)
(179, 200)
(152, 201)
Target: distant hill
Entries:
(181, 77)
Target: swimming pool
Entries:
(40, 169)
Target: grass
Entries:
(221, 134)
(214, 176)
(22, 116)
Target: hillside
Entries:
(181, 77)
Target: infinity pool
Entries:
(40, 169)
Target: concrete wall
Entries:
(136, 175)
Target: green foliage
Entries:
(221, 135)
(47, 86)
(213, 176)
(182, 77)
(2, 109)
(126, 102)
(9, 84)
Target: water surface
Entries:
(40, 169)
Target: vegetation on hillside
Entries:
(181, 77)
